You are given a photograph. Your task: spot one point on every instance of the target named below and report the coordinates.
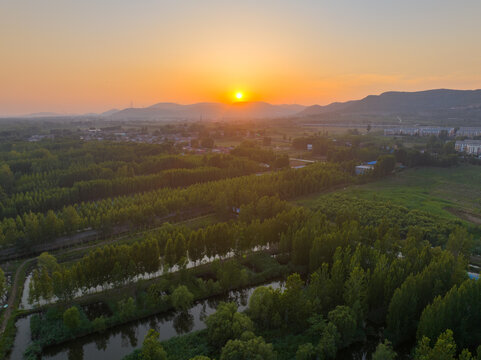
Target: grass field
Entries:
(449, 192)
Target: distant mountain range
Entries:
(441, 102)
(240, 110)
(394, 102)
(463, 106)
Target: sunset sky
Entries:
(76, 56)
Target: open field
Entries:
(447, 192)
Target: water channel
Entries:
(117, 342)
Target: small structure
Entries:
(471, 147)
(469, 131)
(473, 276)
(365, 168)
(420, 131)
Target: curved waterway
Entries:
(121, 340)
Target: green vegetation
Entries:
(381, 260)
(356, 278)
(437, 191)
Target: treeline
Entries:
(111, 169)
(171, 291)
(105, 170)
(81, 191)
(358, 282)
(253, 151)
(458, 311)
(161, 249)
(44, 156)
(359, 272)
(143, 209)
(355, 148)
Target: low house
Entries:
(471, 147)
(469, 131)
(365, 168)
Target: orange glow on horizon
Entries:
(184, 52)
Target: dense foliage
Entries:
(146, 208)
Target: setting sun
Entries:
(239, 95)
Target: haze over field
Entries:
(90, 56)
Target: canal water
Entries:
(117, 342)
(24, 304)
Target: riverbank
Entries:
(204, 283)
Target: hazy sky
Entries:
(76, 56)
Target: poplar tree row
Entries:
(146, 208)
(166, 247)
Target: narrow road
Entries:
(13, 295)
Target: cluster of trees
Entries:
(55, 198)
(95, 182)
(46, 156)
(144, 209)
(171, 291)
(360, 269)
(165, 247)
(458, 311)
(106, 170)
(254, 152)
(444, 157)
(340, 208)
(320, 144)
(445, 348)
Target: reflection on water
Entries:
(22, 339)
(24, 304)
(122, 340)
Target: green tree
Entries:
(45, 284)
(47, 262)
(294, 305)
(99, 324)
(71, 318)
(226, 323)
(306, 352)
(151, 347)
(460, 242)
(355, 293)
(344, 319)
(444, 349)
(6, 178)
(180, 247)
(170, 256)
(182, 298)
(248, 347)
(71, 219)
(384, 351)
(327, 346)
(264, 307)
(385, 165)
(126, 308)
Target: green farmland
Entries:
(448, 192)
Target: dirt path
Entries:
(465, 215)
(13, 295)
